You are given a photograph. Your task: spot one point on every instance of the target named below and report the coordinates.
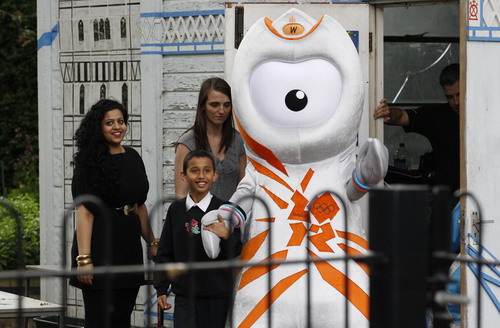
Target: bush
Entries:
(28, 208)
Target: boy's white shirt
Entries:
(202, 204)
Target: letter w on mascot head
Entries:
(298, 96)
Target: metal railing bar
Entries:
(459, 194)
(183, 267)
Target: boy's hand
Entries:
(218, 228)
(162, 301)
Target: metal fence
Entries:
(409, 258)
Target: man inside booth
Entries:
(438, 123)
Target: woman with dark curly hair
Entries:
(213, 131)
(115, 174)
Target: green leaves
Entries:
(28, 207)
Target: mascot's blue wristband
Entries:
(236, 211)
(359, 184)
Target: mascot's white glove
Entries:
(233, 218)
(371, 168)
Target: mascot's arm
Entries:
(234, 213)
(371, 168)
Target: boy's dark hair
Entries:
(197, 153)
(449, 75)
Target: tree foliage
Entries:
(18, 94)
(28, 208)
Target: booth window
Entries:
(419, 41)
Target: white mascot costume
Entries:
(298, 94)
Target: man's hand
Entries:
(392, 116)
(162, 301)
(382, 111)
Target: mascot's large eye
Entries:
(296, 100)
(296, 94)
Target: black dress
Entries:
(125, 234)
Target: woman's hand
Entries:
(162, 301)
(153, 247)
(85, 278)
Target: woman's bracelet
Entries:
(84, 262)
(83, 257)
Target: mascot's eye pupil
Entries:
(296, 100)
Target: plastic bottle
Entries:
(402, 158)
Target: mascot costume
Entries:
(298, 94)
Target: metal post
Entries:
(440, 241)
(399, 232)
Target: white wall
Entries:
(482, 142)
(50, 144)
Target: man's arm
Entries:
(392, 116)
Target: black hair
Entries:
(198, 153)
(450, 74)
(92, 151)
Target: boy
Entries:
(201, 297)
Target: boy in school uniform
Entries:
(202, 297)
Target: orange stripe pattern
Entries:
(252, 246)
(336, 279)
(261, 150)
(354, 251)
(258, 271)
(269, 299)
(268, 173)
(307, 179)
(354, 238)
(280, 202)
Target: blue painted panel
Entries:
(47, 38)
